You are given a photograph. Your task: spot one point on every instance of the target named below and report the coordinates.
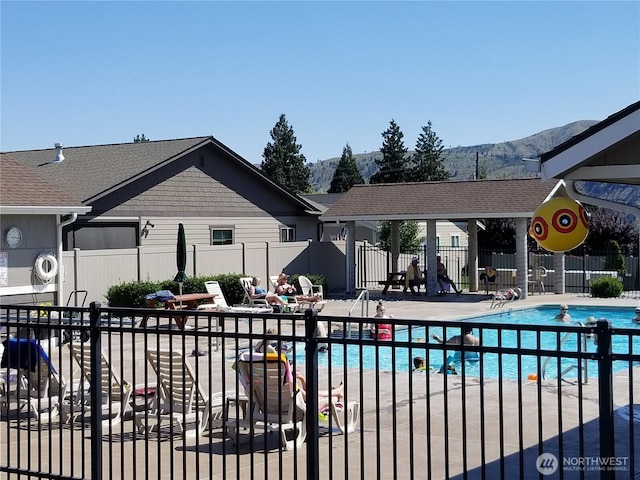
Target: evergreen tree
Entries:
(409, 240)
(347, 174)
(392, 168)
(140, 138)
(428, 159)
(283, 161)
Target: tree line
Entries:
(283, 162)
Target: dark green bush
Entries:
(132, 294)
(606, 287)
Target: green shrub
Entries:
(606, 287)
(131, 294)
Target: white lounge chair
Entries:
(115, 393)
(40, 387)
(311, 290)
(276, 403)
(179, 397)
(213, 287)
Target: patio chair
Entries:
(116, 394)
(251, 302)
(292, 301)
(273, 399)
(39, 387)
(179, 398)
(276, 403)
(536, 279)
(309, 290)
(213, 287)
(491, 278)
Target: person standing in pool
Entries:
(467, 338)
(637, 317)
(563, 316)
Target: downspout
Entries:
(61, 225)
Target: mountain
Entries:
(499, 160)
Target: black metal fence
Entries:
(373, 266)
(528, 401)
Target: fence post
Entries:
(605, 394)
(311, 362)
(95, 392)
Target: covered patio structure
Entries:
(606, 152)
(432, 201)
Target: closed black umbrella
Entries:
(181, 257)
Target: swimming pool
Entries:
(381, 358)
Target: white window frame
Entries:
(287, 234)
(220, 228)
(455, 240)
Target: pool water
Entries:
(383, 358)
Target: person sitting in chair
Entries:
(258, 292)
(414, 276)
(285, 289)
(443, 277)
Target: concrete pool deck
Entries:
(421, 412)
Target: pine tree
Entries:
(392, 168)
(347, 174)
(283, 161)
(428, 159)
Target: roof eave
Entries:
(42, 210)
(443, 217)
(555, 163)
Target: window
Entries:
(287, 234)
(455, 240)
(437, 244)
(221, 235)
(100, 235)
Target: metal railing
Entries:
(489, 414)
(373, 266)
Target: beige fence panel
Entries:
(217, 259)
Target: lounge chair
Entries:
(221, 304)
(251, 302)
(505, 295)
(115, 393)
(276, 403)
(309, 290)
(292, 301)
(179, 398)
(39, 388)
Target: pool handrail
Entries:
(363, 298)
(584, 337)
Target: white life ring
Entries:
(46, 259)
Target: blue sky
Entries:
(88, 73)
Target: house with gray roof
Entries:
(33, 213)
(139, 192)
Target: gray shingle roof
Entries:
(86, 172)
(451, 200)
(20, 186)
(89, 172)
